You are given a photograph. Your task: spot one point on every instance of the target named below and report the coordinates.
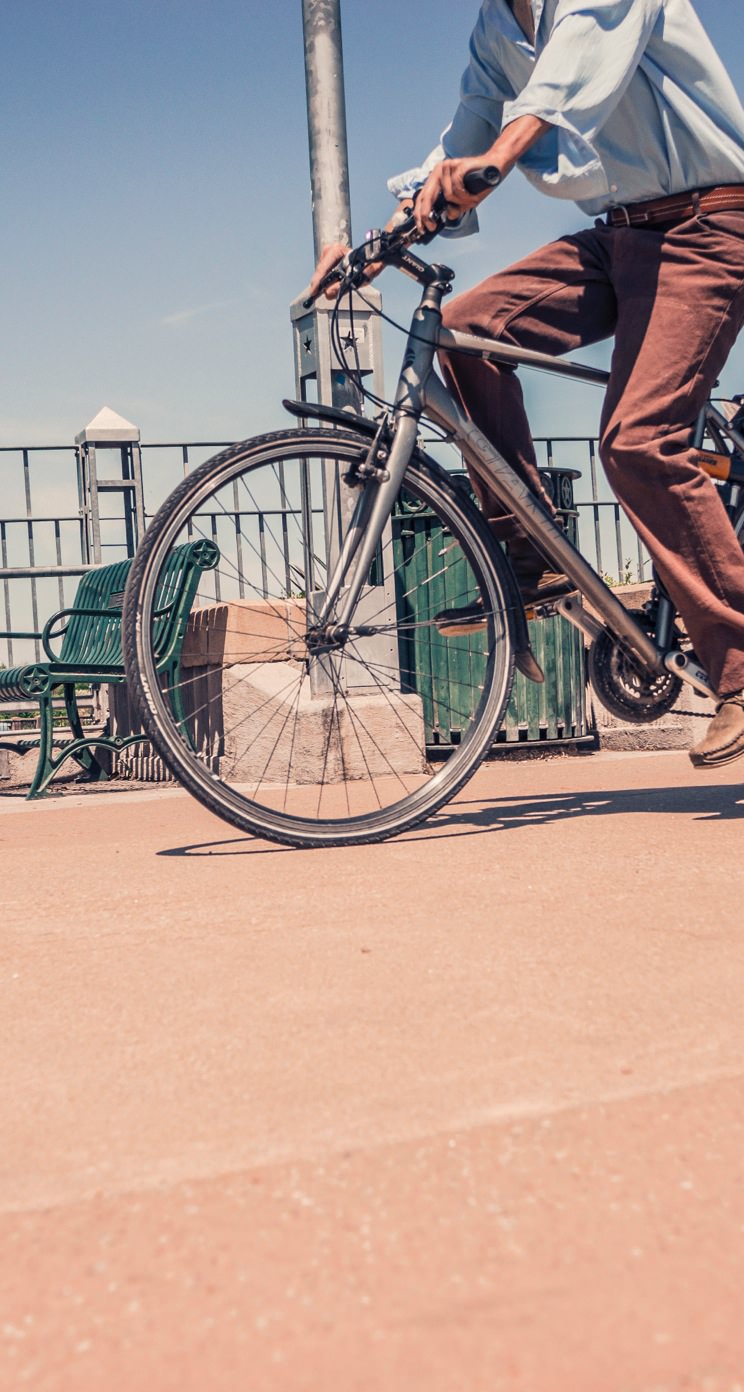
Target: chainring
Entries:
(626, 688)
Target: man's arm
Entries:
(446, 179)
(591, 54)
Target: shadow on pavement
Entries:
(723, 803)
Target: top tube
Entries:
(525, 357)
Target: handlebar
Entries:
(382, 246)
(483, 180)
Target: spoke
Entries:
(276, 741)
(260, 512)
(438, 702)
(275, 696)
(334, 679)
(370, 775)
(292, 743)
(205, 705)
(466, 595)
(407, 627)
(256, 551)
(325, 756)
(385, 690)
(413, 672)
(381, 752)
(417, 551)
(203, 672)
(257, 659)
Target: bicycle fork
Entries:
(385, 469)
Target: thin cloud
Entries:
(184, 316)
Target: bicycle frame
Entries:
(421, 392)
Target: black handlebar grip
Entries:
(483, 180)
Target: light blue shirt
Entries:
(639, 102)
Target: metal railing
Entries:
(605, 536)
(43, 532)
(43, 529)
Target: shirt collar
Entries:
(517, 36)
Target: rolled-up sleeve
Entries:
(590, 56)
(475, 125)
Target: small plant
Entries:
(626, 576)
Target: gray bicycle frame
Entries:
(421, 392)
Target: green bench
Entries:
(90, 655)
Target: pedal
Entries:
(540, 611)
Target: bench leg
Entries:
(84, 756)
(45, 768)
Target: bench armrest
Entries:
(50, 631)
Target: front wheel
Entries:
(311, 741)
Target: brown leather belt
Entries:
(678, 207)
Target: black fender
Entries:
(333, 414)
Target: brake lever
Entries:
(338, 273)
(375, 247)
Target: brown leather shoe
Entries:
(526, 663)
(724, 741)
(453, 623)
(456, 623)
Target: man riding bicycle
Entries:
(624, 107)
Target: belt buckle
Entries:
(623, 211)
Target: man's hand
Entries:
(446, 179)
(336, 251)
(329, 257)
(446, 183)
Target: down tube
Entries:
(510, 489)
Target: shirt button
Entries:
(613, 188)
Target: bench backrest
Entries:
(177, 588)
(94, 639)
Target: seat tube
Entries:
(698, 434)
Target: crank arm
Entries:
(572, 609)
(696, 677)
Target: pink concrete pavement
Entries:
(459, 1113)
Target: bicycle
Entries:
(298, 714)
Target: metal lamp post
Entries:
(317, 375)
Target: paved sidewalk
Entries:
(459, 1113)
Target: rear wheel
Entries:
(321, 739)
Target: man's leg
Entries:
(681, 304)
(554, 301)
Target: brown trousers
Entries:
(674, 299)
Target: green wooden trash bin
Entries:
(448, 673)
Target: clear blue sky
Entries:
(156, 215)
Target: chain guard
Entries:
(626, 688)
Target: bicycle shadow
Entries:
(482, 816)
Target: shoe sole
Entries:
(532, 607)
(717, 761)
(460, 630)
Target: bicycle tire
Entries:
(428, 484)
